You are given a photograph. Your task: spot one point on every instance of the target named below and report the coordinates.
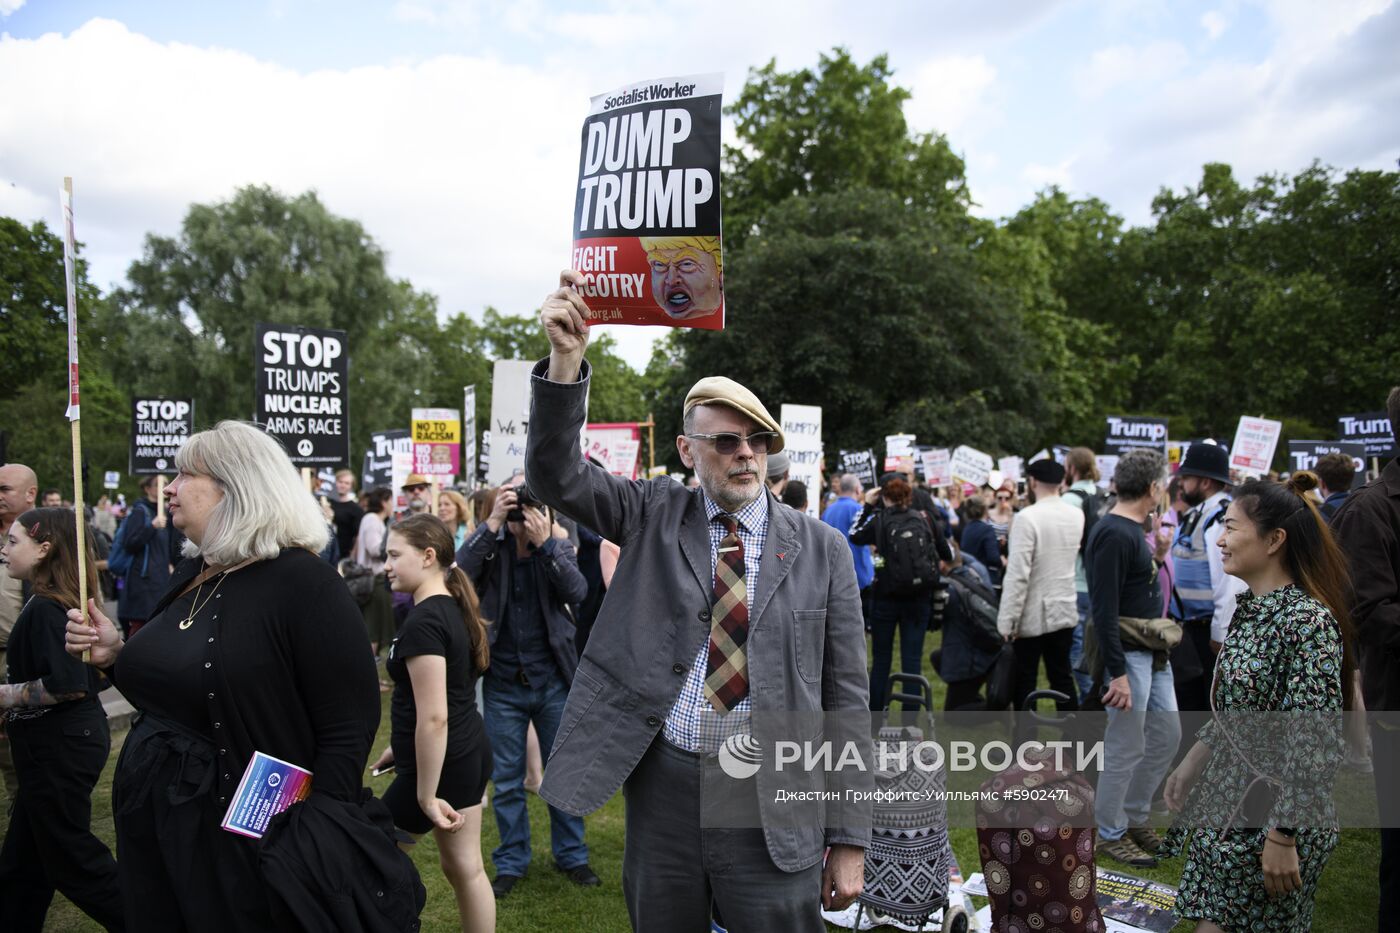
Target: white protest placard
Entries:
(1011, 468)
(608, 444)
(625, 457)
(1107, 463)
(899, 445)
(802, 441)
(510, 418)
(938, 463)
(400, 465)
(971, 465)
(1255, 442)
(469, 435)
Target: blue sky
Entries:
(450, 127)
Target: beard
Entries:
(720, 486)
(1193, 497)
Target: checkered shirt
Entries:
(693, 724)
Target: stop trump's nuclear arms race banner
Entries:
(647, 210)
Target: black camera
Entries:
(523, 497)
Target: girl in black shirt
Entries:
(438, 745)
(58, 736)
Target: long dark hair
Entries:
(1310, 553)
(56, 576)
(425, 531)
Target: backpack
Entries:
(1093, 507)
(911, 559)
(120, 561)
(979, 605)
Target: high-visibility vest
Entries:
(1193, 593)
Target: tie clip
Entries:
(726, 550)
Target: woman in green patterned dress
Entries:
(1269, 776)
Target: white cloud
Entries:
(462, 168)
(1042, 176)
(9, 6)
(1121, 65)
(1324, 90)
(950, 95)
(1214, 23)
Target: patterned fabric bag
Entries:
(906, 865)
(1038, 854)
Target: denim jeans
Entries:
(910, 615)
(509, 709)
(1076, 649)
(1138, 747)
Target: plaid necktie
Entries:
(726, 667)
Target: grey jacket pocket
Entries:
(809, 632)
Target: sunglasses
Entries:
(1003, 498)
(727, 443)
(415, 488)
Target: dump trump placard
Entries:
(647, 210)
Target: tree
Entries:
(34, 307)
(860, 302)
(1278, 299)
(840, 126)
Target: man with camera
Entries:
(527, 578)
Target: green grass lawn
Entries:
(546, 901)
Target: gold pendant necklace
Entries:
(196, 605)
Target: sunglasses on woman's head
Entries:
(727, 443)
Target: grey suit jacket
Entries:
(806, 641)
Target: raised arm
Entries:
(555, 471)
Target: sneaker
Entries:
(1125, 851)
(582, 875)
(503, 884)
(1361, 764)
(1146, 838)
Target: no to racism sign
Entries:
(647, 210)
(159, 428)
(437, 439)
(303, 391)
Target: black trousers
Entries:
(50, 846)
(676, 872)
(1053, 649)
(1193, 694)
(965, 695)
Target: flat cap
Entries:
(1046, 471)
(718, 390)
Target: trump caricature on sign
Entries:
(687, 275)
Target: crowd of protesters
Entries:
(1147, 594)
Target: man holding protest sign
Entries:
(647, 209)
(675, 654)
